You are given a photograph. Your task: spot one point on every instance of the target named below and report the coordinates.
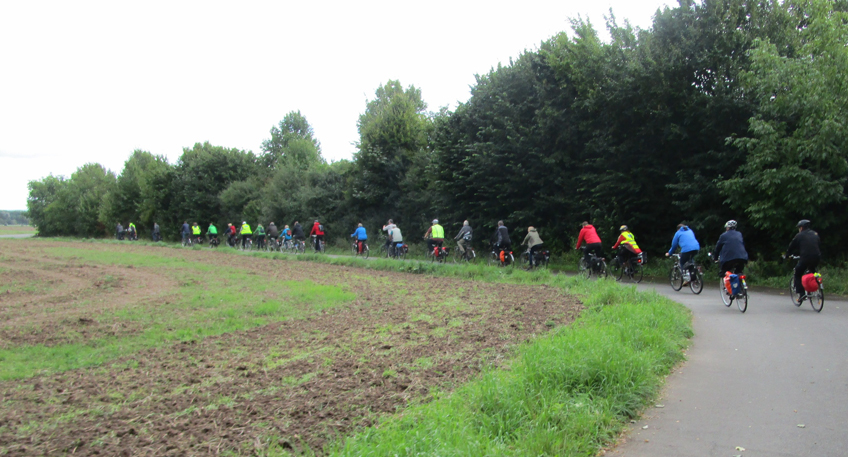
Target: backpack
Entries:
(467, 236)
(320, 227)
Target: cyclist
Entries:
(186, 230)
(390, 225)
(463, 238)
(436, 234)
(730, 250)
(212, 232)
(629, 248)
(533, 242)
(273, 233)
(246, 233)
(259, 235)
(132, 232)
(231, 234)
(287, 235)
(807, 244)
(684, 239)
(318, 231)
(119, 231)
(501, 238)
(589, 235)
(396, 238)
(195, 232)
(361, 237)
(157, 233)
(297, 232)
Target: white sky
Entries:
(85, 81)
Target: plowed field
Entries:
(119, 349)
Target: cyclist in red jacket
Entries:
(589, 236)
(318, 231)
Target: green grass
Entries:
(16, 230)
(207, 303)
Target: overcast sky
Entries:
(87, 81)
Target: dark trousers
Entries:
(244, 239)
(590, 249)
(735, 266)
(533, 252)
(433, 242)
(318, 240)
(686, 257)
(800, 269)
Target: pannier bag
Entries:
(731, 283)
(811, 281)
(643, 258)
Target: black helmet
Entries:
(803, 223)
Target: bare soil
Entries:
(296, 384)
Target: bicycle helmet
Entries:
(244, 222)
(731, 224)
(803, 223)
(435, 221)
(622, 228)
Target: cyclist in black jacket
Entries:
(806, 244)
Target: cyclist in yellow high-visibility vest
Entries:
(245, 233)
(629, 248)
(436, 234)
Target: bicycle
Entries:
(364, 252)
(501, 257)
(816, 297)
(440, 254)
(398, 250)
(468, 256)
(541, 258)
(595, 264)
(213, 241)
(632, 268)
(691, 273)
(247, 244)
(297, 246)
(385, 247)
(739, 294)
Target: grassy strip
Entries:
(569, 392)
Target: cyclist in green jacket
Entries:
(212, 232)
(246, 233)
(259, 235)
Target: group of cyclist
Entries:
(500, 241)
(729, 251)
(245, 234)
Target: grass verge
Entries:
(569, 392)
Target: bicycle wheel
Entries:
(581, 266)
(796, 299)
(696, 281)
(365, 250)
(321, 246)
(742, 301)
(636, 271)
(675, 278)
(615, 269)
(817, 299)
(604, 273)
(384, 251)
(725, 297)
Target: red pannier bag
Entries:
(810, 282)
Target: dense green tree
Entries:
(797, 143)
(42, 194)
(292, 144)
(135, 196)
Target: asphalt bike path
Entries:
(22, 235)
(770, 382)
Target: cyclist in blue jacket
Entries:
(684, 239)
(360, 236)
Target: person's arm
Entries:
(526, 237)
(580, 238)
(674, 243)
(719, 245)
(793, 245)
(618, 241)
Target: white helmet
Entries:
(435, 221)
(731, 224)
(244, 222)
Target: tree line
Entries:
(724, 109)
(13, 218)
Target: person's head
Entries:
(500, 223)
(391, 221)
(185, 222)
(243, 222)
(623, 228)
(803, 224)
(730, 225)
(435, 221)
(464, 222)
(272, 223)
(681, 225)
(584, 223)
(288, 226)
(531, 228)
(229, 224)
(295, 223)
(194, 223)
(359, 224)
(316, 221)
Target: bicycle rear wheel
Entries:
(817, 299)
(796, 299)
(636, 272)
(365, 251)
(696, 281)
(675, 278)
(725, 297)
(742, 301)
(616, 270)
